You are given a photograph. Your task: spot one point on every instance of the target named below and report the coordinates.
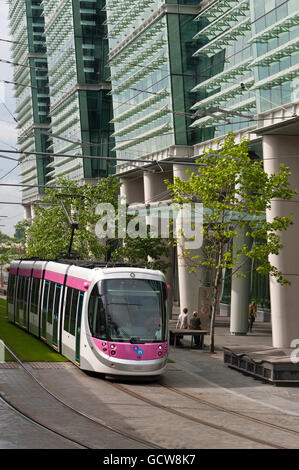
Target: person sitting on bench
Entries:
(195, 324)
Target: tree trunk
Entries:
(216, 301)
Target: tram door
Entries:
(25, 319)
(78, 327)
(44, 311)
(56, 315)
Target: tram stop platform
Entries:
(273, 365)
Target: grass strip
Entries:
(26, 346)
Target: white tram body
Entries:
(111, 320)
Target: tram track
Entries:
(33, 421)
(231, 412)
(203, 422)
(98, 421)
(156, 405)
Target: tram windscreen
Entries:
(135, 309)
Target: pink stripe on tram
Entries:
(37, 273)
(13, 270)
(25, 272)
(54, 277)
(76, 283)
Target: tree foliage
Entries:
(49, 234)
(147, 252)
(235, 192)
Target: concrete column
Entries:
(155, 189)
(279, 149)
(189, 282)
(240, 291)
(132, 189)
(27, 212)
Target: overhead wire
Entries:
(166, 76)
(168, 133)
(40, 69)
(10, 171)
(107, 158)
(141, 91)
(200, 74)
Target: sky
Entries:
(8, 135)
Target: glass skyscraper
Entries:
(178, 75)
(152, 72)
(80, 104)
(62, 90)
(31, 92)
(249, 61)
(186, 73)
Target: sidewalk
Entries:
(261, 334)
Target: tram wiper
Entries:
(136, 340)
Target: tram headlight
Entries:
(160, 347)
(113, 353)
(112, 346)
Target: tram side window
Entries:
(34, 295)
(67, 311)
(33, 284)
(45, 300)
(20, 293)
(57, 299)
(50, 302)
(96, 315)
(74, 312)
(11, 288)
(79, 313)
(80, 305)
(70, 312)
(26, 292)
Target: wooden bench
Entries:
(175, 332)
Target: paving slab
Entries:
(194, 372)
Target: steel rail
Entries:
(196, 420)
(232, 412)
(99, 421)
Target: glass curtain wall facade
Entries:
(152, 72)
(225, 74)
(248, 63)
(275, 43)
(31, 91)
(80, 105)
(183, 76)
(248, 59)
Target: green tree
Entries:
(235, 192)
(50, 232)
(146, 252)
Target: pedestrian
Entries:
(182, 323)
(251, 315)
(195, 324)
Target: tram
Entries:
(111, 320)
